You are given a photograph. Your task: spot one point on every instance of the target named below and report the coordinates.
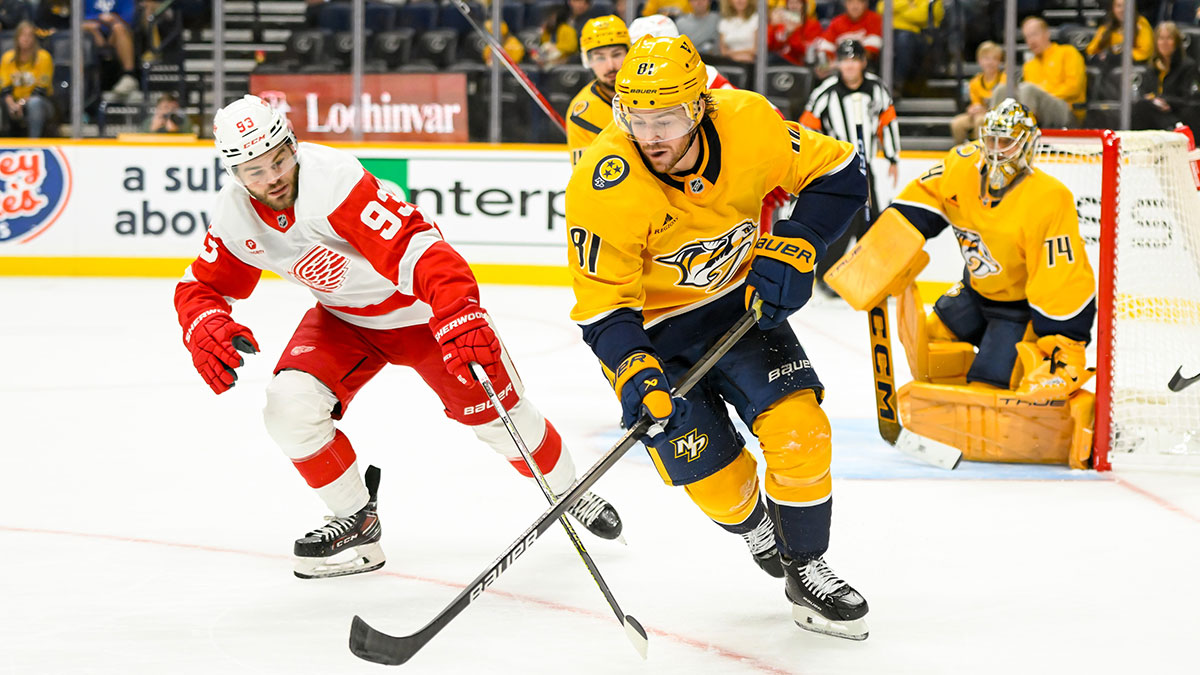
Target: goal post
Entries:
(1139, 212)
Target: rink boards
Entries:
(108, 208)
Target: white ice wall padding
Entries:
(1156, 303)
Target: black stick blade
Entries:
(378, 647)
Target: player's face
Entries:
(663, 136)
(272, 178)
(1001, 149)
(605, 62)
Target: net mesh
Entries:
(1156, 291)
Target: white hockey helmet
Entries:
(248, 128)
(655, 26)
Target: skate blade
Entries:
(367, 558)
(810, 620)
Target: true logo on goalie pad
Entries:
(711, 263)
(980, 262)
(321, 269)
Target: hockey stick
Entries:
(1178, 382)
(886, 415)
(633, 629)
(372, 645)
(523, 79)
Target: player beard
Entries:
(666, 155)
(281, 194)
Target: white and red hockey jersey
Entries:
(367, 256)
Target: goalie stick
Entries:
(522, 79)
(886, 414)
(373, 645)
(633, 629)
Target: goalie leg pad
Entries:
(796, 442)
(934, 353)
(730, 495)
(995, 425)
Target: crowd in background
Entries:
(1060, 77)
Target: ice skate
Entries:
(824, 603)
(348, 545)
(761, 541)
(597, 515)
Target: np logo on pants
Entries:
(690, 445)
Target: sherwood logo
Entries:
(456, 323)
(494, 573)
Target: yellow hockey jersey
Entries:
(589, 114)
(666, 244)
(1022, 246)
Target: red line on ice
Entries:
(707, 647)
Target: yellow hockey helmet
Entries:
(603, 31)
(1010, 137)
(664, 79)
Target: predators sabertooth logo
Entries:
(711, 263)
(980, 262)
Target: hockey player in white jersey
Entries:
(389, 289)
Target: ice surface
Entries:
(146, 523)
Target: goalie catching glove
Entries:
(1055, 367)
(642, 386)
(463, 331)
(214, 339)
(781, 272)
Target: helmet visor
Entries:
(659, 125)
(267, 168)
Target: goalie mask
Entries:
(1010, 136)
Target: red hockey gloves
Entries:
(775, 199)
(465, 335)
(215, 340)
(781, 272)
(641, 384)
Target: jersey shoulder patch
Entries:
(609, 172)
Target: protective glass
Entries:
(657, 125)
(268, 168)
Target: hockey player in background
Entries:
(389, 289)
(603, 43)
(998, 365)
(665, 253)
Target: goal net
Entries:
(1139, 215)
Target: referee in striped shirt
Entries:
(854, 106)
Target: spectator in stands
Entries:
(25, 74)
(168, 117)
(1105, 47)
(990, 57)
(701, 27)
(1177, 95)
(738, 30)
(1055, 83)
(858, 22)
(108, 21)
(12, 13)
(909, 19)
(559, 40)
(512, 45)
(671, 8)
(792, 35)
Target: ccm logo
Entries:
(788, 369)
(253, 141)
(475, 409)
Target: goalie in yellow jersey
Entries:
(999, 365)
(662, 219)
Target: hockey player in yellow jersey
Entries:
(603, 43)
(1015, 329)
(666, 254)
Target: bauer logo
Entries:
(35, 184)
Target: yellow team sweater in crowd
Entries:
(981, 90)
(1143, 44)
(23, 78)
(1060, 71)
